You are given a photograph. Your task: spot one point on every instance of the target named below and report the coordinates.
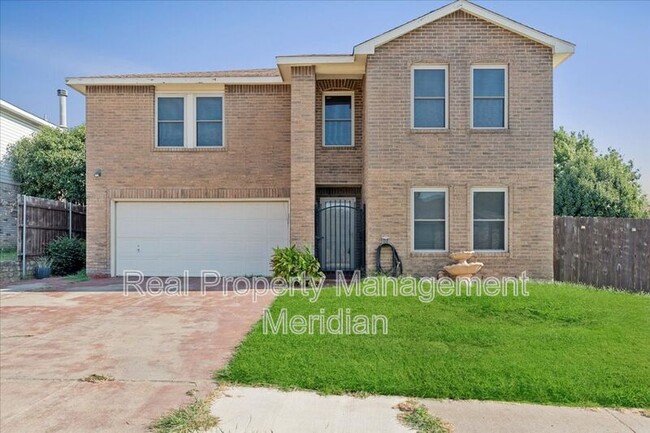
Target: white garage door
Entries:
(168, 238)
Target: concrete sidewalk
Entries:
(264, 410)
(496, 417)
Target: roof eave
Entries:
(560, 56)
(350, 65)
(311, 60)
(81, 83)
(25, 116)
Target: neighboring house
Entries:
(441, 129)
(15, 123)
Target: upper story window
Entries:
(189, 120)
(209, 121)
(171, 119)
(429, 108)
(489, 219)
(338, 119)
(429, 229)
(489, 96)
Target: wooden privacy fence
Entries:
(41, 220)
(603, 252)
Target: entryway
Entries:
(340, 234)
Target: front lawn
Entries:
(563, 344)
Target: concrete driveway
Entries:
(157, 348)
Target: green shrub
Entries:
(68, 255)
(295, 264)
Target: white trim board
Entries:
(24, 116)
(80, 83)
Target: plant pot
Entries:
(41, 272)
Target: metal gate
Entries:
(340, 235)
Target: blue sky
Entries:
(604, 89)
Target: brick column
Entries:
(303, 154)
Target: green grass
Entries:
(8, 254)
(418, 419)
(193, 418)
(78, 277)
(564, 344)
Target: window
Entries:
(189, 120)
(429, 109)
(338, 119)
(489, 97)
(429, 220)
(489, 219)
(209, 121)
(171, 116)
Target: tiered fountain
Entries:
(462, 269)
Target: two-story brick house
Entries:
(441, 129)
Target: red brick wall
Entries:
(120, 140)
(274, 147)
(303, 154)
(340, 165)
(519, 158)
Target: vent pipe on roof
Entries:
(63, 108)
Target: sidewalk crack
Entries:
(612, 413)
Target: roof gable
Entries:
(562, 49)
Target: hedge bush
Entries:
(68, 255)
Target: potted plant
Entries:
(43, 268)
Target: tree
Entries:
(592, 184)
(51, 164)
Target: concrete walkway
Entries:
(264, 410)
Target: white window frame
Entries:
(505, 96)
(349, 93)
(436, 67)
(189, 119)
(412, 200)
(506, 212)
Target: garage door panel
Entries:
(275, 226)
(276, 213)
(167, 238)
